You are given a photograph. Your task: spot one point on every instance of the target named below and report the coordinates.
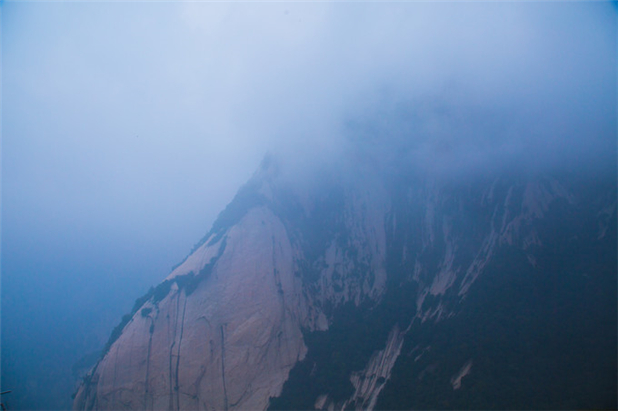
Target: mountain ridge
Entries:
(305, 298)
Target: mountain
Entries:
(358, 290)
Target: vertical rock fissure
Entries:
(182, 327)
(170, 377)
(281, 295)
(114, 375)
(148, 363)
(91, 387)
(225, 401)
(170, 373)
(275, 271)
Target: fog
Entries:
(126, 128)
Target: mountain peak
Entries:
(332, 294)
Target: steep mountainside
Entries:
(368, 292)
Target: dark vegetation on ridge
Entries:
(533, 330)
(353, 336)
(539, 336)
(247, 198)
(356, 332)
(187, 282)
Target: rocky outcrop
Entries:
(369, 382)
(465, 370)
(229, 343)
(225, 327)
(245, 318)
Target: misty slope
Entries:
(365, 292)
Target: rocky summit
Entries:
(364, 291)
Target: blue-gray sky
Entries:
(126, 128)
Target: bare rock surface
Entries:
(229, 344)
(229, 326)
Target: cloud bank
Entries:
(165, 100)
(448, 87)
(127, 126)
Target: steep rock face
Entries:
(369, 382)
(525, 318)
(342, 294)
(478, 272)
(225, 327)
(228, 343)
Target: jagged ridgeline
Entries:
(374, 292)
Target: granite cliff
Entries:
(363, 292)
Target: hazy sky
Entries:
(126, 128)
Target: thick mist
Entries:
(127, 127)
